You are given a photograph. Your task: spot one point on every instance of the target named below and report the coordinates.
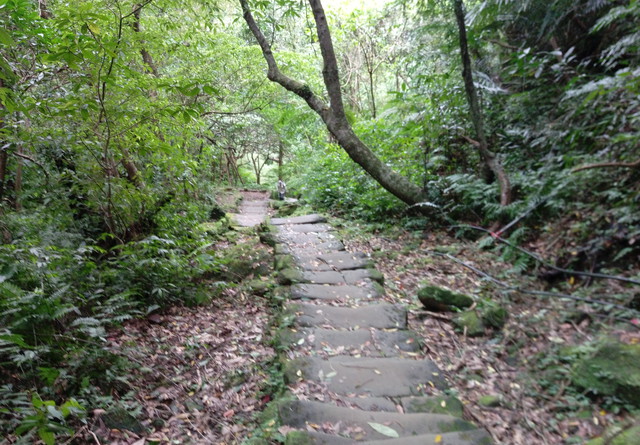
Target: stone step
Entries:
(309, 228)
(334, 261)
(304, 240)
(313, 249)
(306, 219)
(333, 292)
(360, 342)
(375, 377)
(471, 437)
(423, 404)
(381, 315)
(292, 275)
(334, 419)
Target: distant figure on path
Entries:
(282, 189)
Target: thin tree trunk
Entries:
(4, 155)
(146, 56)
(280, 159)
(17, 186)
(476, 115)
(44, 10)
(373, 95)
(333, 114)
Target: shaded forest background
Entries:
(121, 122)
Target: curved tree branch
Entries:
(635, 164)
(333, 115)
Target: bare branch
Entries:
(274, 74)
(635, 164)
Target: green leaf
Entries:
(5, 38)
(47, 436)
(15, 339)
(384, 430)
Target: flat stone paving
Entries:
(349, 342)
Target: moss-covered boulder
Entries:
(471, 323)
(436, 298)
(494, 316)
(612, 370)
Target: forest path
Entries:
(354, 371)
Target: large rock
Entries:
(437, 298)
(612, 370)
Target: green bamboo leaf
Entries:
(384, 430)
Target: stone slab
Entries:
(357, 275)
(301, 414)
(304, 240)
(310, 228)
(326, 277)
(382, 316)
(311, 250)
(472, 437)
(247, 220)
(306, 219)
(360, 342)
(334, 261)
(375, 377)
(332, 292)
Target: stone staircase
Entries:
(355, 372)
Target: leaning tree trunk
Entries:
(333, 114)
(476, 115)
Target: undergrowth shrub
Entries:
(60, 292)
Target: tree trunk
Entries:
(333, 114)
(150, 66)
(4, 155)
(43, 9)
(17, 186)
(280, 159)
(476, 115)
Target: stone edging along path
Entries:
(355, 372)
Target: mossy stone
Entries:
(612, 370)
(435, 405)
(259, 287)
(495, 316)
(471, 323)
(613, 436)
(120, 419)
(299, 438)
(439, 299)
(289, 276)
(284, 262)
(376, 275)
(490, 400)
